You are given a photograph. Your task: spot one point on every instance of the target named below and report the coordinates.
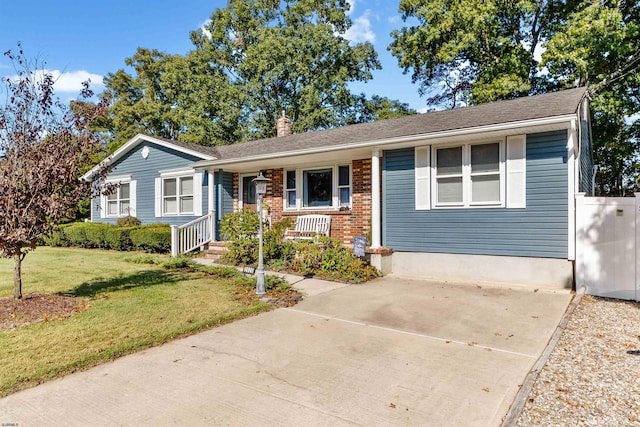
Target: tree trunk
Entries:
(17, 276)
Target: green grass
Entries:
(131, 306)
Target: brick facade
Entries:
(344, 224)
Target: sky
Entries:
(80, 40)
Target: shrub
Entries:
(241, 229)
(119, 238)
(76, 234)
(96, 235)
(128, 221)
(239, 225)
(57, 238)
(152, 239)
(331, 259)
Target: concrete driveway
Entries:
(390, 352)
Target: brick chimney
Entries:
(283, 125)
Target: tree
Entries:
(46, 145)
(172, 96)
(599, 47)
(251, 61)
(479, 51)
(290, 56)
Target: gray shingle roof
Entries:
(521, 109)
(209, 151)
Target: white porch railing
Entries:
(192, 235)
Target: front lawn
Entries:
(130, 306)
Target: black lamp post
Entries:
(261, 190)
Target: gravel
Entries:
(592, 377)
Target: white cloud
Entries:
(395, 19)
(69, 81)
(423, 110)
(352, 6)
(361, 30)
(203, 28)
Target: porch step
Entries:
(215, 250)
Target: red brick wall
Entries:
(344, 224)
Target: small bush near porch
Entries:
(94, 305)
(326, 258)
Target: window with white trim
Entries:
(482, 174)
(120, 200)
(469, 175)
(317, 188)
(177, 195)
(290, 189)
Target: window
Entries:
(178, 195)
(489, 174)
(121, 201)
(178, 192)
(344, 186)
(118, 202)
(469, 175)
(318, 188)
(290, 190)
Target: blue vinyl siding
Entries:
(539, 230)
(144, 172)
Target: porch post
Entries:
(212, 205)
(175, 250)
(375, 199)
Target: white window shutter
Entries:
(158, 197)
(197, 194)
(516, 171)
(132, 198)
(423, 175)
(102, 207)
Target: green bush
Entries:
(57, 238)
(240, 225)
(119, 238)
(327, 258)
(128, 221)
(76, 234)
(151, 238)
(331, 259)
(96, 235)
(240, 229)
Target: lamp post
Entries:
(261, 190)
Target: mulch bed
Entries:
(37, 308)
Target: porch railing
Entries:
(192, 235)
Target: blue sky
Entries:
(80, 40)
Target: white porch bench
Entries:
(309, 227)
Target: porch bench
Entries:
(308, 227)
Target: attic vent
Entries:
(283, 125)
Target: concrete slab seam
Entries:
(520, 400)
(415, 334)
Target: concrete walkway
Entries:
(391, 352)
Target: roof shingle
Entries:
(521, 109)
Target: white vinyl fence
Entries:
(607, 253)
